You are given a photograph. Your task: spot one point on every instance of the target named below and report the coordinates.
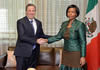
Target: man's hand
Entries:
(42, 41)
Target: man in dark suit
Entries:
(29, 30)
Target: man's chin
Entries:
(29, 17)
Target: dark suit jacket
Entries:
(26, 38)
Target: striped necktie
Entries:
(34, 46)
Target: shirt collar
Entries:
(32, 19)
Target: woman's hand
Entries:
(42, 41)
(82, 61)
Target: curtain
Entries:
(51, 12)
(3, 26)
(10, 12)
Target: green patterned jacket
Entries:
(77, 39)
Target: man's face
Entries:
(30, 12)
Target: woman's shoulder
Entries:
(80, 24)
(78, 21)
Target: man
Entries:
(29, 30)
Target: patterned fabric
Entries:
(63, 67)
(71, 59)
(67, 33)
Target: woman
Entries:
(74, 34)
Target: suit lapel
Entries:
(28, 24)
(37, 26)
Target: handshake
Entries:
(42, 41)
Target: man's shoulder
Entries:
(25, 19)
(37, 20)
(22, 19)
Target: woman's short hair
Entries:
(73, 6)
(30, 5)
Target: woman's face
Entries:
(71, 13)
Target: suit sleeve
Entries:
(57, 37)
(82, 37)
(23, 37)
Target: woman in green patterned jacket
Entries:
(73, 32)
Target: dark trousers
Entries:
(25, 62)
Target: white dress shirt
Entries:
(34, 25)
